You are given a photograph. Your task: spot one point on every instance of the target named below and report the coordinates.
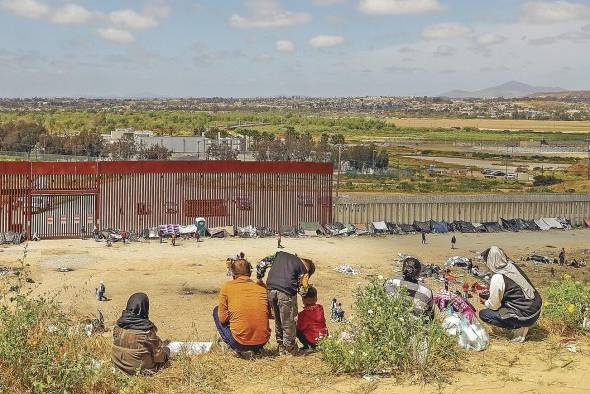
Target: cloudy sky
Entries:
(288, 47)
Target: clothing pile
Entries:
(457, 261)
(537, 258)
(346, 269)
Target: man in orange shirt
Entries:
(242, 315)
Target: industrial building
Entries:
(58, 199)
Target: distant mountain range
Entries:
(510, 89)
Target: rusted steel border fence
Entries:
(56, 199)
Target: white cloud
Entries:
(443, 31)
(285, 46)
(266, 14)
(132, 20)
(489, 39)
(116, 35)
(399, 7)
(324, 41)
(26, 8)
(554, 12)
(71, 14)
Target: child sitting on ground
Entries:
(311, 323)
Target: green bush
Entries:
(567, 302)
(383, 337)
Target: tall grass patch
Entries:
(383, 337)
(567, 303)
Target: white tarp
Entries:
(542, 225)
(379, 226)
(553, 223)
(190, 229)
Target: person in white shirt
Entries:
(513, 302)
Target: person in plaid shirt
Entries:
(420, 293)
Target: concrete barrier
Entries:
(472, 208)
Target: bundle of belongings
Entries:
(460, 321)
(457, 261)
(537, 258)
(393, 228)
(221, 232)
(246, 232)
(407, 228)
(432, 270)
(11, 238)
(492, 227)
(289, 231)
(346, 269)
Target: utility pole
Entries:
(339, 169)
(588, 141)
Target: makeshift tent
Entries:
(543, 226)
(246, 232)
(221, 232)
(407, 228)
(311, 228)
(11, 238)
(509, 224)
(587, 222)
(360, 229)
(553, 223)
(331, 229)
(492, 227)
(531, 225)
(439, 227)
(169, 229)
(378, 227)
(265, 232)
(464, 227)
(393, 228)
(480, 228)
(190, 229)
(567, 225)
(422, 227)
(289, 231)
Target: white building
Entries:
(181, 146)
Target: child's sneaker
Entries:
(519, 335)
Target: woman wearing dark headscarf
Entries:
(136, 347)
(513, 302)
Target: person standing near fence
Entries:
(423, 237)
(453, 242)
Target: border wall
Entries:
(471, 208)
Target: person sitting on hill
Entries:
(421, 295)
(136, 347)
(242, 315)
(311, 322)
(513, 302)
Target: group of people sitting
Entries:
(241, 316)
(512, 302)
(246, 306)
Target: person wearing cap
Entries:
(241, 318)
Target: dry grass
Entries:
(495, 124)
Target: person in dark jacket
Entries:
(423, 234)
(453, 242)
(513, 302)
(421, 294)
(136, 347)
(288, 275)
(562, 257)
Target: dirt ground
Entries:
(182, 283)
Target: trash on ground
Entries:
(191, 348)
(346, 269)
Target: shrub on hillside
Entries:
(567, 303)
(545, 180)
(383, 337)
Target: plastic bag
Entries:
(470, 336)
